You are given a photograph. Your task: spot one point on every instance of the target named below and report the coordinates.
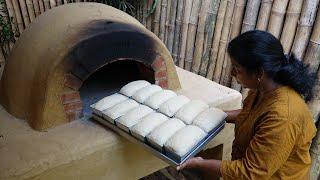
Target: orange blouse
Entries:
(272, 139)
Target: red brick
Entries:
(160, 74)
(71, 107)
(74, 115)
(72, 81)
(69, 97)
(163, 84)
(158, 63)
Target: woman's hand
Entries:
(210, 168)
(190, 163)
(231, 118)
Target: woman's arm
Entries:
(231, 118)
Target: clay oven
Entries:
(75, 54)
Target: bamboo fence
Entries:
(197, 32)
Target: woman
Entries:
(274, 130)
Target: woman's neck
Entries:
(267, 87)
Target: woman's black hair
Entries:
(256, 50)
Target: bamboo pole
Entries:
(46, 5)
(198, 48)
(65, 2)
(277, 16)
(304, 27)
(184, 33)
(216, 38)
(41, 6)
(54, 4)
(264, 14)
(312, 56)
(251, 15)
(30, 9)
(2, 63)
(171, 25)
(59, 2)
(223, 41)
(163, 18)
(144, 12)
(177, 34)
(209, 29)
(315, 155)
(156, 20)
(12, 16)
(18, 15)
(193, 22)
(149, 19)
(249, 23)
(290, 25)
(235, 31)
(24, 12)
(167, 22)
(36, 7)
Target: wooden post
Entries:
(306, 21)
(167, 22)
(184, 33)
(41, 6)
(193, 22)
(36, 7)
(216, 39)
(264, 14)
(290, 25)
(209, 29)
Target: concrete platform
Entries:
(83, 149)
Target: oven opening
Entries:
(110, 78)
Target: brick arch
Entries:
(71, 99)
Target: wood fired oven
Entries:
(74, 55)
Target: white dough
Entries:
(158, 98)
(147, 124)
(119, 110)
(108, 102)
(162, 133)
(184, 140)
(144, 93)
(132, 117)
(171, 107)
(189, 111)
(133, 87)
(209, 119)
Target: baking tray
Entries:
(168, 157)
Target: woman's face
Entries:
(244, 78)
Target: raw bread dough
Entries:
(189, 111)
(184, 140)
(158, 98)
(147, 124)
(133, 87)
(171, 107)
(133, 116)
(209, 119)
(108, 102)
(162, 133)
(144, 93)
(119, 110)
